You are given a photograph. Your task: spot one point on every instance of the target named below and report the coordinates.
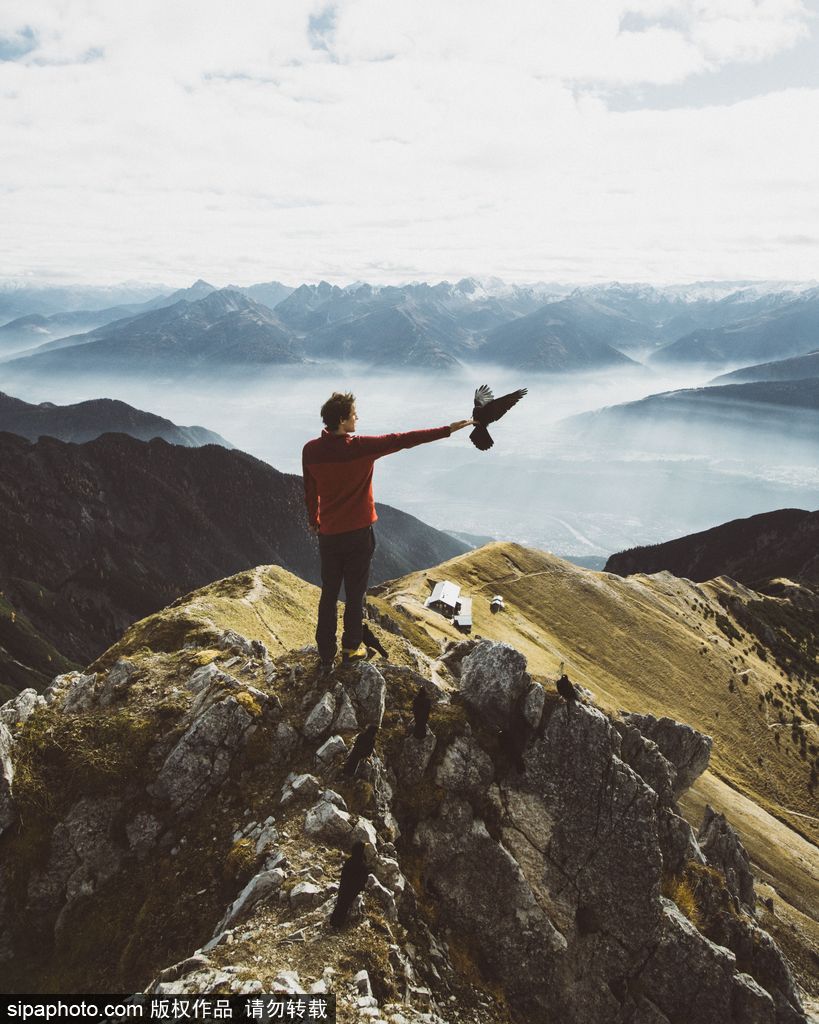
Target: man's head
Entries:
(339, 414)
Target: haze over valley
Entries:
(614, 446)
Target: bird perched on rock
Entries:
(488, 409)
(420, 711)
(363, 747)
(354, 873)
(371, 641)
(565, 687)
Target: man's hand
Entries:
(314, 529)
(460, 425)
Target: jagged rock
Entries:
(82, 856)
(203, 676)
(677, 841)
(116, 682)
(724, 851)
(363, 832)
(320, 718)
(332, 797)
(465, 768)
(81, 692)
(288, 981)
(370, 693)
(493, 681)
(305, 894)
(644, 756)
(750, 1003)
(229, 638)
(7, 810)
(388, 871)
(703, 993)
(200, 760)
(20, 708)
(454, 654)
(142, 832)
(285, 741)
(688, 751)
(301, 787)
(345, 720)
(328, 823)
(533, 705)
(415, 756)
(383, 897)
(266, 840)
(331, 750)
(261, 885)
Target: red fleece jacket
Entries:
(338, 475)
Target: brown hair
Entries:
(337, 408)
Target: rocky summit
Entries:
(175, 818)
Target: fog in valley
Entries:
(582, 488)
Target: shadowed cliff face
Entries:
(94, 536)
(184, 802)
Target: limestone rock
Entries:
(415, 756)
(383, 898)
(724, 851)
(200, 760)
(688, 751)
(493, 681)
(7, 811)
(320, 718)
(331, 750)
(20, 708)
(345, 720)
(80, 695)
(305, 894)
(329, 824)
(643, 755)
(116, 683)
(465, 768)
(261, 885)
(142, 832)
(533, 705)
(370, 694)
(299, 787)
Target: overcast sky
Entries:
(258, 140)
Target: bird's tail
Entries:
(481, 439)
(420, 730)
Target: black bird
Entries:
(363, 746)
(353, 879)
(420, 710)
(372, 643)
(488, 409)
(566, 689)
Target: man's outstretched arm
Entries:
(376, 445)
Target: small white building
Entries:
(496, 604)
(444, 598)
(463, 616)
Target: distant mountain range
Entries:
(223, 328)
(788, 328)
(797, 368)
(753, 551)
(84, 421)
(537, 328)
(96, 535)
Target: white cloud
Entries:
(296, 139)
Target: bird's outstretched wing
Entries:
(483, 396)
(500, 406)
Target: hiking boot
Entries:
(354, 654)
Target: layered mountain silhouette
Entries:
(93, 536)
(789, 329)
(84, 421)
(225, 328)
(754, 551)
(572, 334)
(797, 368)
(37, 330)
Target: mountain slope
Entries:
(94, 536)
(796, 368)
(657, 644)
(84, 421)
(791, 329)
(753, 551)
(573, 334)
(225, 328)
(195, 789)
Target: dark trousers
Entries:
(345, 557)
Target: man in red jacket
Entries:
(338, 491)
